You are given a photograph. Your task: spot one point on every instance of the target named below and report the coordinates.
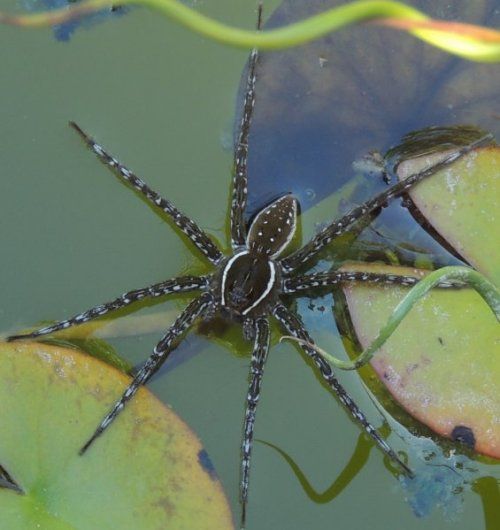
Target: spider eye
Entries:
(273, 227)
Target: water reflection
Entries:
(355, 464)
(487, 488)
(442, 478)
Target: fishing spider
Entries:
(247, 286)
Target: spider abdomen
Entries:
(273, 227)
(248, 283)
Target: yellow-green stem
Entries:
(469, 45)
(465, 275)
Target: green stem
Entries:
(468, 276)
(461, 43)
(291, 35)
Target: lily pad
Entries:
(461, 204)
(148, 471)
(442, 364)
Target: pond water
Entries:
(162, 100)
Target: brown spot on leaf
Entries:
(463, 435)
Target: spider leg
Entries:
(317, 281)
(175, 285)
(160, 353)
(240, 177)
(293, 326)
(259, 356)
(199, 238)
(339, 226)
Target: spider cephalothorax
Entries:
(249, 285)
(251, 279)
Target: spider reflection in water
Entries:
(247, 286)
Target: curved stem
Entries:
(355, 464)
(474, 279)
(473, 42)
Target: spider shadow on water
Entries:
(249, 285)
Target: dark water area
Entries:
(326, 104)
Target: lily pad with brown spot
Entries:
(442, 364)
(148, 471)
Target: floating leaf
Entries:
(461, 204)
(443, 362)
(149, 471)
(98, 348)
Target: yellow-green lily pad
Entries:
(442, 364)
(147, 472)
(461, 203)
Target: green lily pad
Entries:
(461, 204)
(149, 471)
(442, 364)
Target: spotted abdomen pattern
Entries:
(273, 227)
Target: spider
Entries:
(247, 286)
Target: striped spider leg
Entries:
(319, 280)
(260, 350)
(199, 238)
(339, 226)
(197, 308)
(322, 280)
(240, 175)
(182, 284)
(293, 326)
